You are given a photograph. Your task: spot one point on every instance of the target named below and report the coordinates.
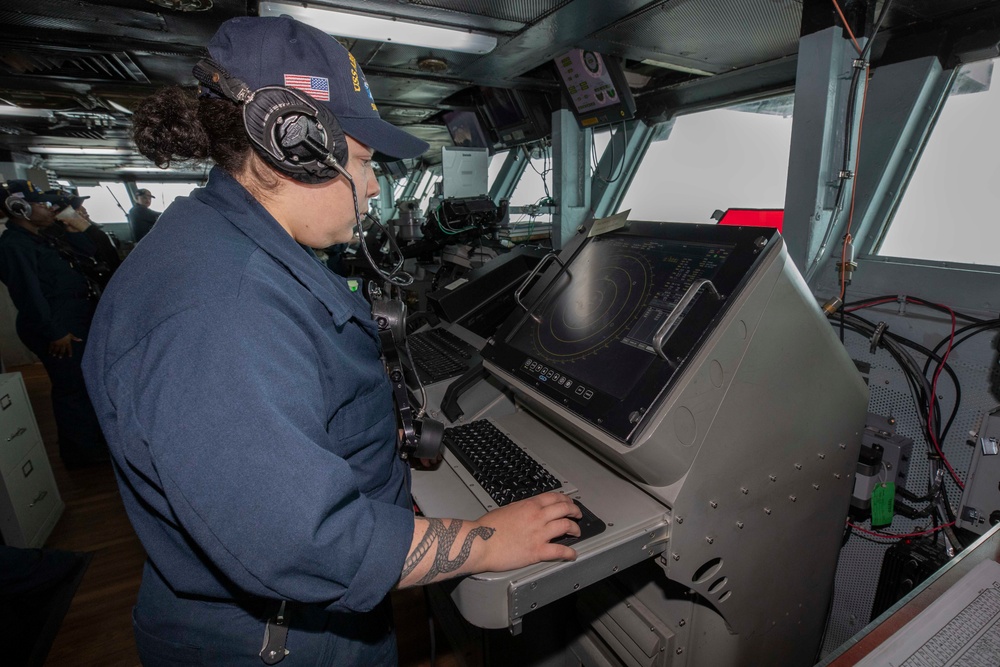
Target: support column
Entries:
(412, 181)
(386, 201)
(822, 88)
(903, 101)
(570, 176)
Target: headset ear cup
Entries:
(19, 207)
(288, 129)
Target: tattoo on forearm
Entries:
(445, 537)
(420, 550)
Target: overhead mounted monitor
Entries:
(517, 117)
(465, 129)
(596, 87)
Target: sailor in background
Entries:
(141, 217)
(54, 263)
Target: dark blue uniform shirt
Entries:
(239, 385)
(50, 295)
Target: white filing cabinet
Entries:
(30, 504)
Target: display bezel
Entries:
(622, 416)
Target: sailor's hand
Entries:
(63, 347)
(523, 532)
(72, 220)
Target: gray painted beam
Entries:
(386, 205)
(570, 175)
(816, 157)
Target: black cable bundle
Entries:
(925, 399)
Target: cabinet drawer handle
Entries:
(40, 498)
(20, 431)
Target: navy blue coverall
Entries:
(52, 300)
(250, 421)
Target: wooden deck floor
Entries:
(97, 630)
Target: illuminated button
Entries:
(528, 363)
(579, 390)
(569, 383)
(562, 381)
(545, 370)
(543, 378)
(588, 394)
(548, 372)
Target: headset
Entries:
(295, 135)
(305, 141)
(18, 206)
(289, 130)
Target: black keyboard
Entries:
(504, 470)
(439, 354)
(508, 473)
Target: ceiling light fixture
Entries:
(169, 171)
(675, 67)
(379, 29)
(77, 150)
(23, 112)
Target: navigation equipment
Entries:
(464, 172)
(688, 365)
(606, 311)
(596, 87)
(518, 117)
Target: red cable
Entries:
(869, 305)
(854, 190)
(847, 26)
(891, 536)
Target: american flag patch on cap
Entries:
(316, 87)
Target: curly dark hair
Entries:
(174, 125)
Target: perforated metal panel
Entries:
(84, 17)
(721, 34)
(71, 64)
(975, 364)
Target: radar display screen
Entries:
(587, 341)
(599, 326)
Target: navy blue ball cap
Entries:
(62, 199)
(26, 190)
(280, 51)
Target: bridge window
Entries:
(735, 157)
(106, 201)
(166, 193)
(109, 201)
(948, 210)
